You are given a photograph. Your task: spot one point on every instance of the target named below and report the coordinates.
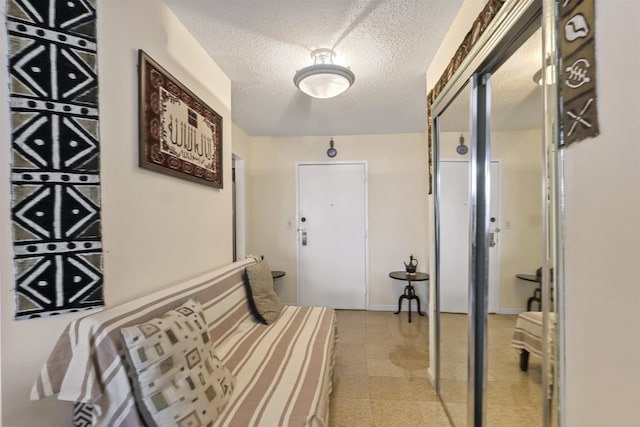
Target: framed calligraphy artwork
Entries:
(180, 135)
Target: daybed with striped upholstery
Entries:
(283, 372)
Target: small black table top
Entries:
(402, 275)
(276, 274)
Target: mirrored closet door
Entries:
(454, 216)
(517, 143)
(493, 132)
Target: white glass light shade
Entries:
(324, 79)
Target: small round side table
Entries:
(409, 290)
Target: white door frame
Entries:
(241, 207)
(366, 222)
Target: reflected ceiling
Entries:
(516, 100)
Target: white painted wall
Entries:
(397, 205)
(157, 229)
(602, 235)
(520, 153)
(241, 142)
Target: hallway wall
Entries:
(397, 202)
(157, 229)
(602, 235)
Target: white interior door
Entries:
(332, 248)
(454, 237)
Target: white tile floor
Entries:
(380, 377)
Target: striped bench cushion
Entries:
(283, 371)
(295, 355)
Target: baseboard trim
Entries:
(431, 377)
(511, 310)
(395, 307)
(383, 307)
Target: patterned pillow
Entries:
(177, 378)
(263, 300)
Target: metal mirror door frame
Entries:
(479, 232)
(478, 286)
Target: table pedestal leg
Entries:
(524, 360)
(409, 294)
(399, 304)
(419, 311)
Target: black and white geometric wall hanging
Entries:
(55, 181)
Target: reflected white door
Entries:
(332, 240)
(454, 237)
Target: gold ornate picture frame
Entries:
(180, 135)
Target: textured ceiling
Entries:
(516, 98)
(388, 44)
(260, 44)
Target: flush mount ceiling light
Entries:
(324, 79)
(537, 77)
(550, 71)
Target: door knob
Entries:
(492, 239)
(304, 238)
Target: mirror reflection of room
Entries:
(514, 390)
(517, 146)
(453, 181)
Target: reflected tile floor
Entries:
(514, 398)
(380, 377)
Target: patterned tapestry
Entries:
(55, 181)
(577, 36)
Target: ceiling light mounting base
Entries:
(323, 55)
